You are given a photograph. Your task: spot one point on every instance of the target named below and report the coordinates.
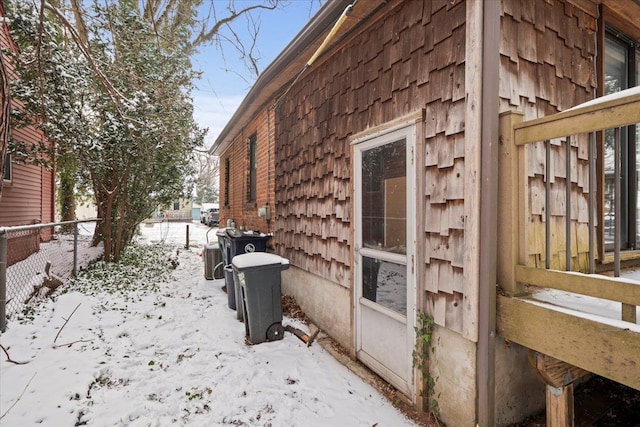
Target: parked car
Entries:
(213, 217)
(204, 215)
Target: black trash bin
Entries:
(257, 276)
(244, 242)
(234, 242)
(239, 242)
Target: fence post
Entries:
(3, 279)
(186, 245)
(75, 249)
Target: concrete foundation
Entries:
(453, 367)
(326, 303)
(519, 392)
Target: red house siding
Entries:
(238, 207)
(28, 197)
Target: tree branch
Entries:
(10, 360)
(206, 36)
(69, 344)
(19, 397)
(65, 323)
(114, 93)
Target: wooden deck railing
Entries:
(549, 204)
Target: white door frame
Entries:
(405, 129)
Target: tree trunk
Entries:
(119, 242)
(67, 190)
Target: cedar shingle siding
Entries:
(547, 61)
(414, 53)
(413, 58)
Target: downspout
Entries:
(269, 164)
(488, 212)
(345, 14)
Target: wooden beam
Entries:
(472, 166)
(589, 117)
(598, 286)
(558, 377)
(554, 372)
(608, 350)
(624, 15)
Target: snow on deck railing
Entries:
(521, 184)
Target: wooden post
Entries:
(558, 377)
(510, 205)
(560, 406)
(629, 313)
(186, 244)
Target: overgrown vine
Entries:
(421, 352)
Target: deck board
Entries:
(606, 347)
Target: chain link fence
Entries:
(37, 259)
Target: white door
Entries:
(384, 255)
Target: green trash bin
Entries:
(257, 277)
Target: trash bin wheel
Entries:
(275, 332)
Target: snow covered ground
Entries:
(171, 354)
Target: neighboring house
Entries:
(86, 208)
(179, 210)
(381, 167)
(28, 190)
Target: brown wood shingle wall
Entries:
(444, 167)
(547, 64)
(412, 57)
(409, 59)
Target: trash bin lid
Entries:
(258, 259)
(234, 233)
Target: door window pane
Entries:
(385, 283)
(384, 207)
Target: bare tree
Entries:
(207, 170)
